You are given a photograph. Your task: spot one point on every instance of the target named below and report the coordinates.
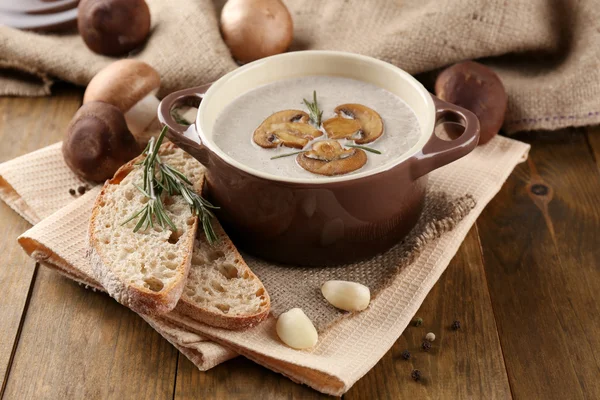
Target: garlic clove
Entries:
(348, 296)
(296, 330)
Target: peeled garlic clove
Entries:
(348, 296)
(296, 330)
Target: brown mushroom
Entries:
(131, 86)
(370, 124)
(328, 157)
(98, 142)
(288, 128)
(254, 29)
(342, 128)
(478, 89)
(113, 27)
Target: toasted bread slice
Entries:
(145, 270)
(221, 290)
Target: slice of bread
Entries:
(221, 290)
(146, 270)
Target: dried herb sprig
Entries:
(160, 177)
(313, 110)
(288, 154)
(365, 148)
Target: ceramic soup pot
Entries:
(319, 221)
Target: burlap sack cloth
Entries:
(36, 184)
(546, 52)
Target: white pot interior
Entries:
(290, 65)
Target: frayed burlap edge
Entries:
(18, 79)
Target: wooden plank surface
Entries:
(25, 125)
(463, 364)
(541, 238)
(540, 262)
(239, 378)
(593, 135)
(73, 343)
(79, 344)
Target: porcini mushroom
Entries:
(131, 86)
(113, 27)
(288, 128)
(328, 157)
(355, 122)
(98, 142)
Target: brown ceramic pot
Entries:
(327, 220)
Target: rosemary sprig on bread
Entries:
(161, 178)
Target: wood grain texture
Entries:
(239, 378)
(541, 237)
(593, 135)
(540, 262)
(463, 364)
(25, 125)
(79, 344)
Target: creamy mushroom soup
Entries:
(263, 126)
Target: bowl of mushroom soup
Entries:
(317, 157)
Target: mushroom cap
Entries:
(370, 121)
(288, 128)
(329, 158)
(98, 142)
(113, 27)
(122, 84)
(477, 88)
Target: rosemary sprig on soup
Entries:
(349, 127)
(314, 112)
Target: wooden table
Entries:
(525, 286)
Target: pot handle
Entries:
(177, 132)
(438, 152)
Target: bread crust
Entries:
(141, 300)
(171, 301)
(233, 322)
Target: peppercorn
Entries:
(456, 325)
(406, 355)
(81, 189)
(416, 374)
(426, 345)
(72, 192)
(418, 321)
(430, 337)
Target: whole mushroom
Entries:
(113, 27)
(478, 89)
(98, 142)
(130, 85)
(254, 29)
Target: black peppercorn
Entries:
(455, 325)
(416, 374)
(406, 355)
(417, 321)
(426, 345)
(72, 192)
(81, 189)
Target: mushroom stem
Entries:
(142, 114)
